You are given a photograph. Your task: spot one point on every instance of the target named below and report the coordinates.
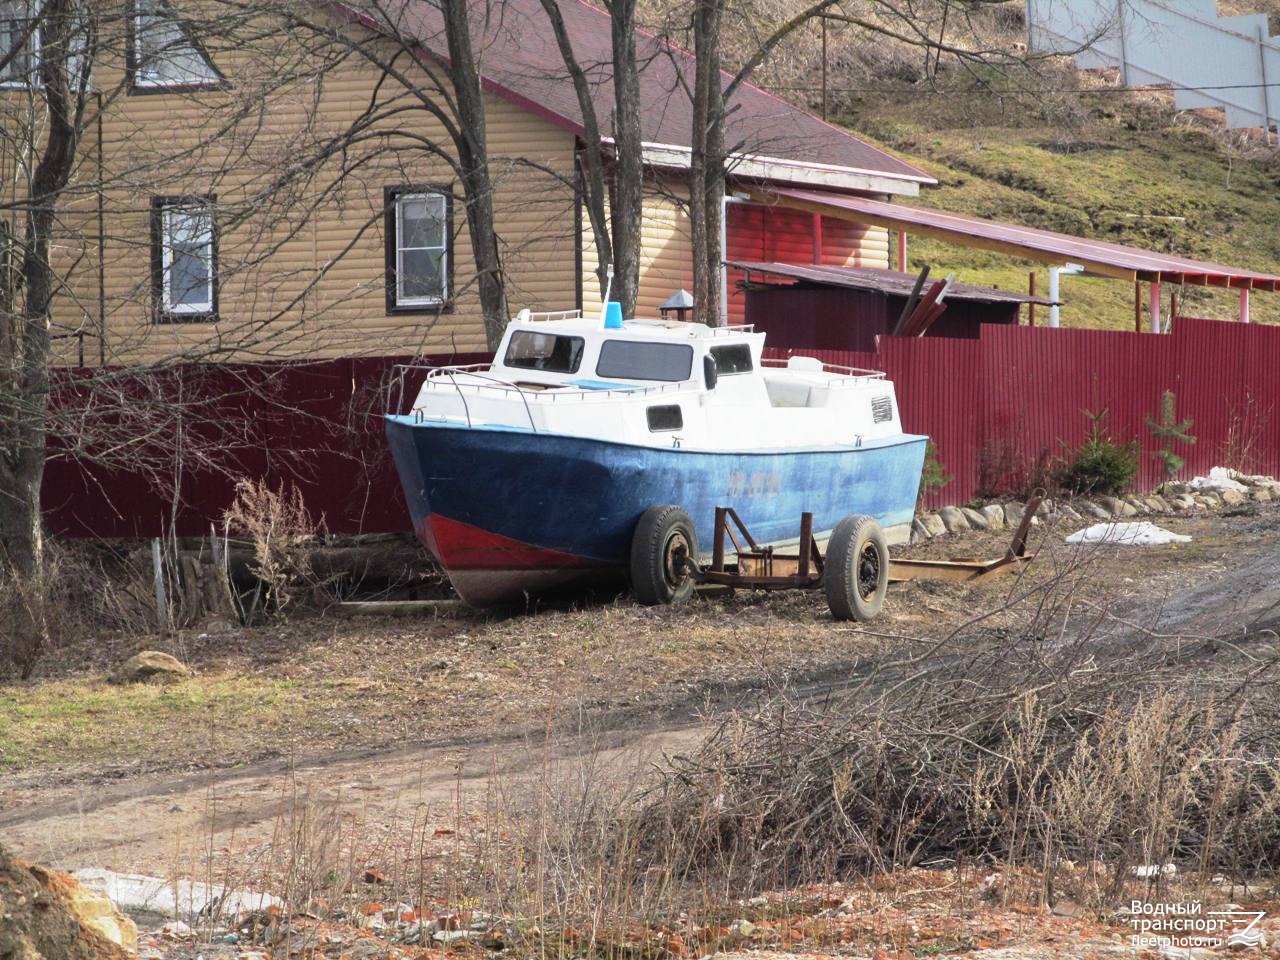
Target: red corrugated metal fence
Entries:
(1014, 402)
(999, 409)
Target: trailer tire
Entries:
(663, 538)
(856, 574)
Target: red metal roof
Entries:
(520, 60)
(886, 281)
(1097, 256)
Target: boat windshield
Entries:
(635, 360)
(544, 351)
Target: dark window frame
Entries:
(577, 364)
(159, 311)
(733, 346)
(391, 240)
(644, 343)
(33, 79)
(132, 63)
(664, 407)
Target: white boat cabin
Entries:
(660, 383)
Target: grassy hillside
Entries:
(1046, 146)
(1131, 172)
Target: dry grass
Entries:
(318, 684)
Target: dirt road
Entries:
(163, 823)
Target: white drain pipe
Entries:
(1070, 269)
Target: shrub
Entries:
(1005, 471)
(280, 529)
(933, 476)
(1100, 465)
(1170, 430)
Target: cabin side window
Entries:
(665, 418)
(732, 358)
(634, 360)
(528, 350)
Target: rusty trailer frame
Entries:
(766, 568)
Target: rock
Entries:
(918, 531)
(1067, 908)
(933, 524)
(47, 915)
(1157, 504)
(742, 929)
(1047, 508)
(994, 515)
(176, 930)
(151, 664)
(953, 519)
(1232, 498)
(976, 520)
(451, 936)
(1208, 502)
(1261, 494)
(1068, 511)
(1111, 505)
(1013, 513)
(1092, 511)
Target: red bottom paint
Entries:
(461, 546)
(486, 567)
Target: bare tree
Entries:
(916, 24)
(28, 295)
(612, 187)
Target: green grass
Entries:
(80, 719)
(1108, 180)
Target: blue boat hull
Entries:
(512, 512)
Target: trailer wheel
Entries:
(663, 540)
(856, 575)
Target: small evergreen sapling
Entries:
(1169, 430)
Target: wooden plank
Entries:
(396, 608)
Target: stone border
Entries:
(1170, 498)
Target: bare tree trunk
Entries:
(594, 187)
(615, 215)
(707, 163)
(628, 205)
(27, 346)
(473, 163)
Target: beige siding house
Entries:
(213, 229)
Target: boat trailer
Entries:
(859, 552)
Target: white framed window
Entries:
(417, 248)
(19, 44)
(185, 259)
(162, 53)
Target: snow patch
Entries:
(177, 898)
(1139, 534)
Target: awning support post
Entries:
(1031, 291)
(1137, 306)
(902, 251)
(1155, 306)
(1244, 305)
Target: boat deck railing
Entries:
(840, 371)
(477, 381)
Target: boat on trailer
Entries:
(595, 448)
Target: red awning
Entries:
(1096, 256)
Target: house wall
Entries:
(780, 235)
(753, 232)
(302, 269)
